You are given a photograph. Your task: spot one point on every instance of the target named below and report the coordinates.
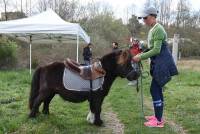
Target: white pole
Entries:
(175, 47)
(30, 55)
(30, 8)
(179, 55)
(77, 45)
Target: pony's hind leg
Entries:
(37, 102)
(46, 103)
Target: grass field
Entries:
(182, 107)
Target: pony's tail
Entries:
(35, 85)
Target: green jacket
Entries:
(156, 37)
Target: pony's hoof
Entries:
(45, 112)
(98, 122)
(31, 115)
(90, 117)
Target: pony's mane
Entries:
(109, 60)
(111, 55)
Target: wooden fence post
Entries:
(175, 47)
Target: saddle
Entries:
(90, 72)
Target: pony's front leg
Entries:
(98, 120)
(98, 104)
(94, 115)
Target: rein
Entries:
(139, 87)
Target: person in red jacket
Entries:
(134, 50)
(135, 47)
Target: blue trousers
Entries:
(87, 62)
(157, 97)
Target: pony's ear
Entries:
(123, 57)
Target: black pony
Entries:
(48, 81)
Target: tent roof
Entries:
(46, 27)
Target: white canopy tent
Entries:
(46, 27)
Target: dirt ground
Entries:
(189, 64)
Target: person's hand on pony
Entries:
(137, 58)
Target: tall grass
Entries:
(65, 117)
(182, 106)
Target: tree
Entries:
(165, 12)
(42, 5)
(7, 53)
(5, 2)
(66, 9)
(134, 26)
(183, 13)
(147, 3)
(103, 27)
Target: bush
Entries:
(189, 49)
(7, 53)
(35, 63)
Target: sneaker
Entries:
(152, 117)
(154, 123)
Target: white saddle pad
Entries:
(72, 81)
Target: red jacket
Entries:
(135, 49)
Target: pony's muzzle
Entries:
(133, 75)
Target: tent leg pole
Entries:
(30, 54)
(30, 59)
(77, 47)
